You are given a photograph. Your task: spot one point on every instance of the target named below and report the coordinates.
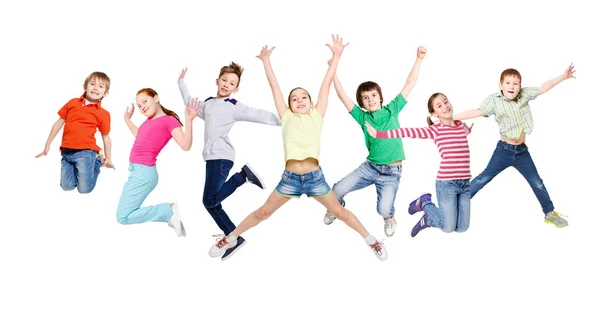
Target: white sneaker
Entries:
(379, 250)
(329, 218)
(175, 221)
(221, 246)
(389, 226)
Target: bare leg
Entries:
(271, 205)
(331, 203)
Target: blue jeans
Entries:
(142, 180)
(518, 156)
(294, 185)
(386, 180)
(217, 188)
(454, 199)
(79, 169)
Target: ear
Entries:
(105, 94)
(156, 99)
(217, 81)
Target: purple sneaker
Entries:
(422, 224)
(417, 205)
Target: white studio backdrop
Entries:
(65, 252)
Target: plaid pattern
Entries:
(513, 116)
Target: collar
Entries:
(231, 100)
(83, 101)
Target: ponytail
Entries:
(170, 113)
(429, 120)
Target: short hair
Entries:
(366, 87)
(100, 76)
(510, 72)
(233, 68)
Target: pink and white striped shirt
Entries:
(452, 144)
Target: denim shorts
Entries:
(311, 184)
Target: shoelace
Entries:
(389, 223)
(377, 247)
(222, 241)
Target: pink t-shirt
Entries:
(151, 137)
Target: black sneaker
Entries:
(240, 242)
(251, 176)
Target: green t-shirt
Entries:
(382, 151)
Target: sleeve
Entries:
(530, 93)
(185, 94)
(171, 124)
(487, 106)
(423, 133)
(358, 115)
(397, 104)
(467, 130)
(62, 113)
(104, 126)
(246, 113)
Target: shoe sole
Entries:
(557, 226)
(237, 249)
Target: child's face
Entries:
(371, 100)
(510, 87)
(442, 108)
(300, 101)
(227, 84)
(148, 105)
(95, 90)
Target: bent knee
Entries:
(448, 229)
(339, 212)
(262, 214)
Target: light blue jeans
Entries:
(79, 169)
(142, 180)
(454, 199)
(386, 179)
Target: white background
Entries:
(65, 252)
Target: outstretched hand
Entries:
(192, 109)
(129, 111)
(421, 52)
(183, 72)
(265, 53)
(371, 130)
(569, 72)
(337, 47)
(470, 127)
(44, 153)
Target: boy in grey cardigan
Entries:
(219, 114)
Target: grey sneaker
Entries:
(221, 246)
(329, 218)
(556, 219)
(379, 250)
(389, 225)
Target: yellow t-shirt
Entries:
(301, 134)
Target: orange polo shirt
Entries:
(81, 122)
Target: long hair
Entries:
(150, 92)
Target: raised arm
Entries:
(185, 94)
(184, 139)
(337, 47)
(280, 105)
(342, 94)
(469, 114)
(546, 86)
(423, 133)
(414, 73)
(128, 114)
(53, 131)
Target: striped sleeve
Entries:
(428, 132)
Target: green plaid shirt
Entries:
(513, 116)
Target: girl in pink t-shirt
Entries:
(150, 138)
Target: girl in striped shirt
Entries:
(452, 184)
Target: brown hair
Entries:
(152, 93)
(98, 76)
(233, 68)
(509, 72)
(367, 87)
(290, 95)
(430, 106)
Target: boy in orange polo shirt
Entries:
(81, 158)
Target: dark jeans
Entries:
(217, 188)
(518, 156)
